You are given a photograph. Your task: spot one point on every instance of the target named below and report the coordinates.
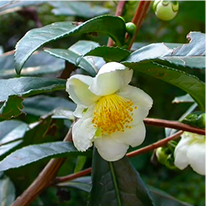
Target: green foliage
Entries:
(27, 86)
(111, 185)
(7, 195)
(33, 153)
(33, 124)
(110, 25)
(11, 108)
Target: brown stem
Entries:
(43, 180)
(173, 125)
(119, 11)
(155, 145)
(72, 176)
(138, 19)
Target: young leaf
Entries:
(27, 86)
(11, 108)
(7, 194)
(35, 38)
(33, 153)
(117, 183)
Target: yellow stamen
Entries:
(113, 113)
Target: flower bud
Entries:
(195, 120)
(165, 10)
(161, 155)
(131, 27)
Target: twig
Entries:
(138, 19)
(173, 125)
(43, 180)
(119, 11)
(155, 145)
(72, 176)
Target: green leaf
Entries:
(184, 98)
(27, 86)
(189, 83)
(35, 38)
(73, 58)
(8, 4)
(39, 63)
(11, 108)
(33, 153)
(82, 183)
(80, 9)
(4, 3)
(109, 53)
(7, 194)
(164, 199)
(185, 56)
(41, 105)
(12, 138)
(117, 183)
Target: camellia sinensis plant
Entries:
(76, 141)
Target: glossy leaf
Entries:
(39, 63)
(27, 86)
(189, 83)
(41, 105)
(109, 53)
(35, 38)
(11, 108)
(33, 153)
(7, 194)
(117, 183)
(184, 98)
(73, 58)
(4, 3)
(189, 55)
(161, 198)
(8, 4)
(81, 183)
(80, 9)
(82, 47)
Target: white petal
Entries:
(180, 153)
(140, 99)
(111, 77)
(196, 156)
(138, 96)
(77, 87)
(83, 132)
(134, 136)
(79, 111)
(109, 149)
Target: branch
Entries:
(72, 176)
(173, 125)
(138, 18)
(160, 143)
(43, 180)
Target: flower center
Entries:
(113, 113)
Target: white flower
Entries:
(111, 112)
(191, 151)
